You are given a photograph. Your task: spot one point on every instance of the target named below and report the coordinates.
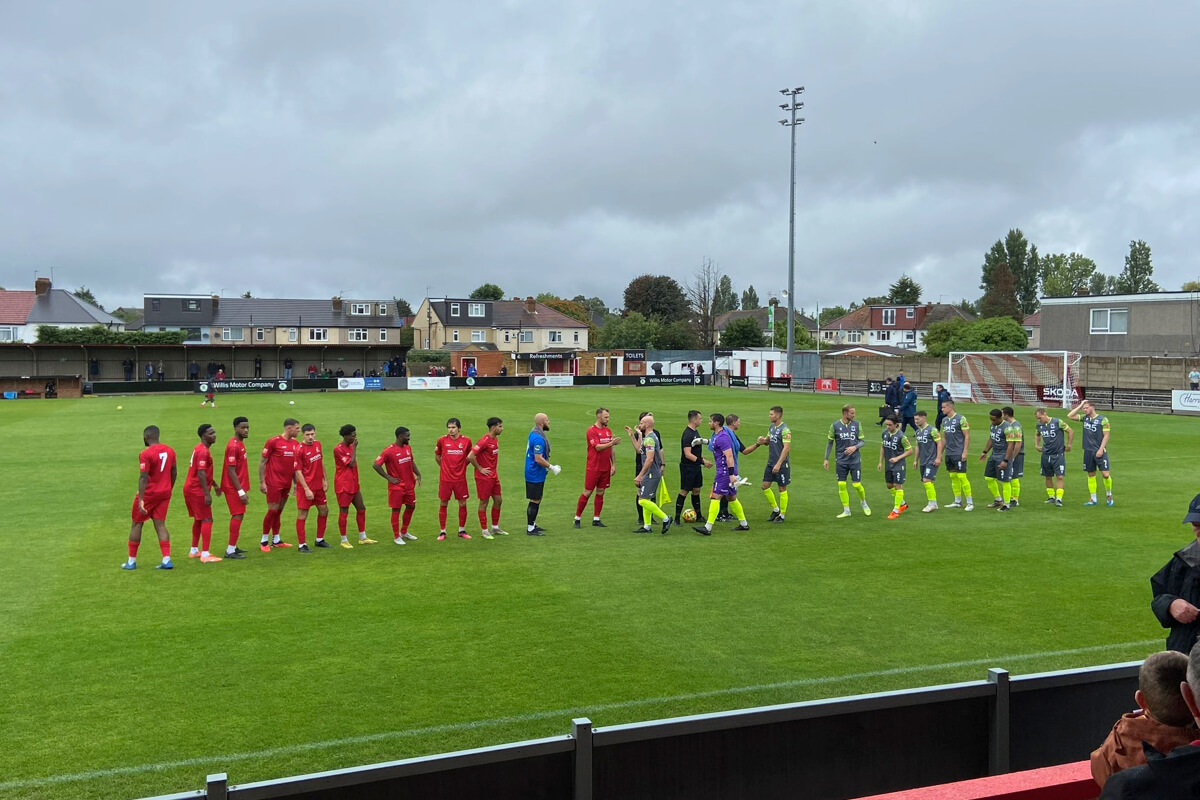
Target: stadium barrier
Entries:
(820, 750)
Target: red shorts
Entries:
(346, 499)
(196, 507)
(277, 495)
(486, 487)
(156, 508)
(401, 496)
(236, 504)
(458, 489)
(304, 502)
(596, 480)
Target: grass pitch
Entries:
(129, 684)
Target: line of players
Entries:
(1004, 454)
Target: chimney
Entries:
(530, 305)
(1082, 291)
(337, 305)
(41, 286)
(216, 298)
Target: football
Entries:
(689, 515)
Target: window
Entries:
(358, 334)
(475, 309)
(454, 335)
(383, 309)
(827, 334)
(555, 337)
(910, 336)
(576, 337)
(527, 337)
(1029, 333)
(8, 334)
(360, 309)
(156, 305)
(1110, 320)
(318, 334)
(910, 313)
(291, 334)
(260, 334)
(508, 336)
(889, 316)
(191, 305)
(883, 336)
(233, 334)
(383, 334)
(854, 337)
(454, 309)
(478, 336)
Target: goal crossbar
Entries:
(1022, 377)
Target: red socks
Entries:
(442, 517)
(196, 525)
(581, 505)
(235, 530)
(269, 521)
(205, 535)
(483, 519)
(408, 512)
(322, 523)
(165, 548)
(361, 519)
(300, 534)
(342, 517)
(496, 515)
(598, 504)
(395, 524)
(462, 517)
(133, 547)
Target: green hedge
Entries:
(98, 334)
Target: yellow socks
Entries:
(956, 485)
(1016, 488)
(1006, 492)
(650, 511)
(767, 493)
(735, 506)
(844, 494)
(966, 485)
(931, 492)
(1108, 485)
(783, 501)
(898, 498)
(714, 508)
(1092, 486)
(993, 487)
(862, 491)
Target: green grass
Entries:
(442, 646)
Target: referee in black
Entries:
(691, 466)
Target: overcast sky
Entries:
(305, 149)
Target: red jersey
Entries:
(487, 452)
(155, 462)
(235, 456)
(453, 453)
(345, 475)
(599, 460)
(397, 462)
(280, 454)
(201, 460)
(308, 461)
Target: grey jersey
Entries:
(999, 436)
(652, 449)
(845, 435)
(1054, 436)
(954, 429)
(778, 435)
(927, 442)
(894, 444)
(1093, 432)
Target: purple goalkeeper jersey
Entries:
(721, 443)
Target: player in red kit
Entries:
(451, 453)
(201, 478)
(156, 481)
(346, 486)
(235, 482)
(600, 467)
(397, 467)
(311, 486)
(276, 471)
(484, 456)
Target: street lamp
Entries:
(792, 106)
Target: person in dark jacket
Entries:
(891, 400)
(1176, 589)
(942, 397)
(1166, 776)
(908, 408)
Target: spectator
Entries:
(1194, 378)
(220, 372)
(700, 372)
(1165, 776)
(891, 400)
(340, 373)
(1162, 719)
(287, 368)
(211, 369)
(657, 367)
(128, 366)
(258, 366)
(942, 396)
(1176, 589)
(357, 373)
(193, 370)
(387, 369)
(403, 369)
(908, 408)
(312, 370)
(149, 371)
(503, 370)
(162, 373)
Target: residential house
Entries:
(1150, 324)
(1033, 329)
(22, 311)
(210, 319)
(762, 316)
(901, 326)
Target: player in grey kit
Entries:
(928, 458)
(1054, 446)
(779, 465)
(957, 434)
(846, 438)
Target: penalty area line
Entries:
(536, 716)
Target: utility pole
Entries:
(792, 106)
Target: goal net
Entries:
(1017, 377)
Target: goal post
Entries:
(1021, 377)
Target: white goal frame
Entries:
(1015, 376)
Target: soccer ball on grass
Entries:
(689, 515)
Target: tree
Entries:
(996, 333)
(676, 336)
(724, 298)
(904, 292)
(403, 309)
(575, 311)
(1102, 284)
(545, 297)
(701, 297)
(126, 314)
(247, 295)
(1190, 286)
(969, 306)
(942, 338)
(85, 294)
(992, 259)
(1022, 262)
(487, 291)
(875, 300)
(1029, 290)
(750, 298)
(742, 333)
(656, 297)
(833, 312)
(1065, 274)
(1136, 277)
(631, 330)
(1001, 299)
(593, 304)
(801, 338)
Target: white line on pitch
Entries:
(540, 715)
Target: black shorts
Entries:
(533, 491)
(954, 463)
(1091, 463)
(691, 476)
(783, 477)
(895, 473)
(853, 472)
(1053, 465)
